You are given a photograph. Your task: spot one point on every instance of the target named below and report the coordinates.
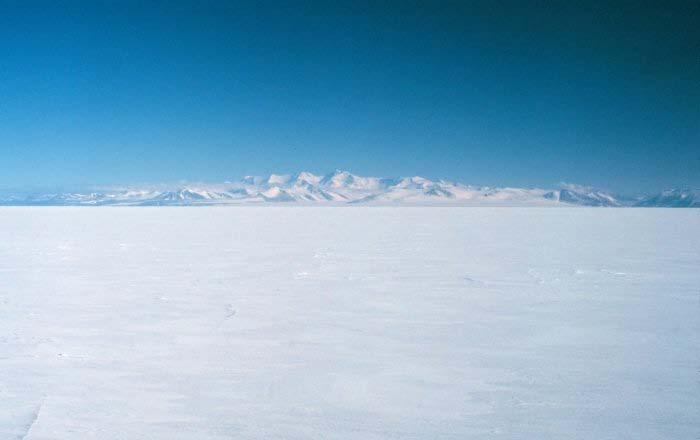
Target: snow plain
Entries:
(349, 323)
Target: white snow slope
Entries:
(339, 323)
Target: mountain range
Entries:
(344, 188)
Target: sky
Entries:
(489, 93)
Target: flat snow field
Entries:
(349, 323)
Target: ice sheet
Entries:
(349, 323)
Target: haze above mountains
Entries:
(344, 188)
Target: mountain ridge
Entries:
(344, 188)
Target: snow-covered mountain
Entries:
(674, 198)
(584, 196)
(344, 188)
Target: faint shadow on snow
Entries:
(34, 418)
(612, 272)
(473, 281)
(230, 311)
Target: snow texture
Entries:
(349, 323)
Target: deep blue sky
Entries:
(515, 93)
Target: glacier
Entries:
(349, 323)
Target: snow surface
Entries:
(349, 323)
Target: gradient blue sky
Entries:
(510, 93)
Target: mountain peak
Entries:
(338, 179)
(278, 179)
(305, 177)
